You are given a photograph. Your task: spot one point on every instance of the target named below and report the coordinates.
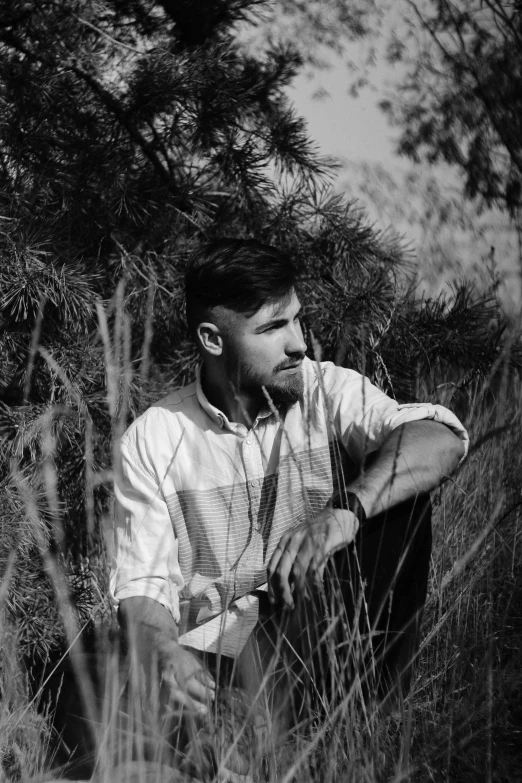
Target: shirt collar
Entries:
(215, 414)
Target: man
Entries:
(257, 477)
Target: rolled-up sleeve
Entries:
(418, 411)
(145, 555)
(363, 416)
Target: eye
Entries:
(274, 326)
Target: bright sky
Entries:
(352, 128)
(348, 127)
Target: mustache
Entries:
(289, 365)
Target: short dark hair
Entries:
(239, 274)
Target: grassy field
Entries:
(462, 720)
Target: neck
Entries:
(239, 407)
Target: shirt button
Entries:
(254, 483)
(247, 441)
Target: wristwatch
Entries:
(350, 501)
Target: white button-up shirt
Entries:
(201, 502)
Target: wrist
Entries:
(166, 649)
(341, 528)
(350, 501)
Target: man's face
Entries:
(267, 349)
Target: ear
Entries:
(210, 338)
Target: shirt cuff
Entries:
(158, 589)
(418, 411)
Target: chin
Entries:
(286, 393)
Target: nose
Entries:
(295, 343)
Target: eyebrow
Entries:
(275, 322)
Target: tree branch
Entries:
(106, 35)
(497, 10)
(105, 97)
(499, 128)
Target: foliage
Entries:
(460, 98)
(315, 29)
(25, 735)
(454, 239)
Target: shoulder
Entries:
(163, 418)
(329, 377)
(177, 400)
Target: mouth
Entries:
(290, 367)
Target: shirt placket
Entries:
(251, 561)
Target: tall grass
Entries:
(460, 721)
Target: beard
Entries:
(287, 392)
(275, 387)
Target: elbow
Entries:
(452, 451)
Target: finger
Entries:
(191, 685)
(315, 573)
(273, 592)
(279, 588)
(276, 556)
(179, 700)
(281, 582)
(198, 691)
(206, 678)
(301, 564)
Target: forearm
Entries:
(153, 636)
(149, 628)
(414, 459)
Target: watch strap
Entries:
(351, 502)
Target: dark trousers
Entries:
(383, 581)
(360, 629)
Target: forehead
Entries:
(280, 308)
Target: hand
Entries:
(302, 552)
(186, 682)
